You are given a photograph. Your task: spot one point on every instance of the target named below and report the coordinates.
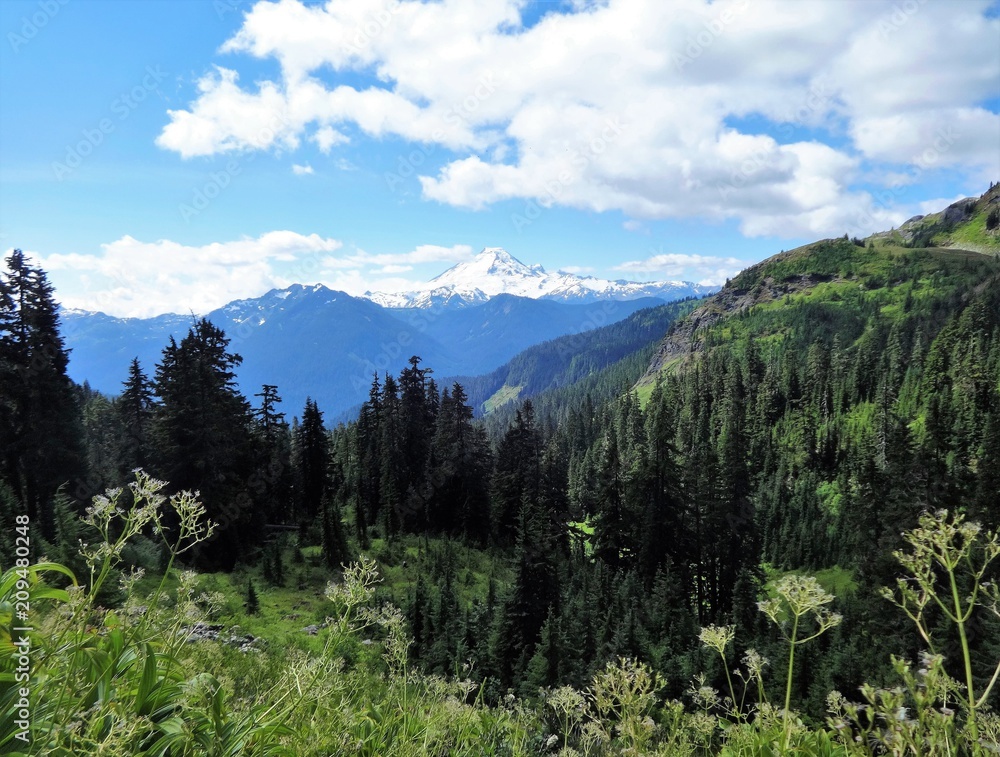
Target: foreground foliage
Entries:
(127, 681)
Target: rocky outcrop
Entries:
(200, 631)
(682, 340)
(959, 211)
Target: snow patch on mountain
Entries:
(495, 271)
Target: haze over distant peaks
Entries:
(495, 271)
(319, 342)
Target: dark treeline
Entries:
(187, 423)
(798, 434)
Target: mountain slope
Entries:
(307, 340)
(844, 286)
(313, 341)
(569, 359)
(489, 334)
(828, 291)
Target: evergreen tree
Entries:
(456, 485)
(368, 443)
(987, 491)
(204, 439)
(251, 603)
(272, 480)
(535, 590)
(311, 464)
(612, 537)
(335, 550)
(664, 537)
(395, 506)
(417, 415)
(136, 407)
(102, 438)
(40, 419)
(516, 473)
(543, 668)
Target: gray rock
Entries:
(213, 632)
(958, 211)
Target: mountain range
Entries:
(495, 271)
(318, 342)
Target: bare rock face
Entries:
(682, 340)
(959, 211)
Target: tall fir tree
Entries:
(312, 459)
(457, 476)
(368, 444)
(40, 418)
(203, 437)
(516, 474)
(136, 407)
(393, 501)
(272, 479)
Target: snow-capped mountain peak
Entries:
(495, 271)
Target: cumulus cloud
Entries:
(711, 270)
(627, 105)
(130, 277)
(302, 170)
(133, 278)
(327, 138)
(425, 253)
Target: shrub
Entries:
(126, 682)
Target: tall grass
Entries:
(128, 682)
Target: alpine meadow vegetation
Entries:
(770, 530)
(129, 680)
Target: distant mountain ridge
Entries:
(495, 271)
(566, 360)
(318, 342)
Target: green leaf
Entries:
(147, 682)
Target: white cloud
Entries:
(228, 118)
(302, 170)
(627, 104)
(711, 270)
(129, 277)
(132, 278)
(425, 253)
(579, 270)
(936, 206)
(394, 269)
(327, 137)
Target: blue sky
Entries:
(160, 155)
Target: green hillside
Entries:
(770, 531)
(846, 287)
(570, 359)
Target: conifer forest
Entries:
(772, 533)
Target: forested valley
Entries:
(772, 531)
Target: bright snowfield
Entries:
(495, 271)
